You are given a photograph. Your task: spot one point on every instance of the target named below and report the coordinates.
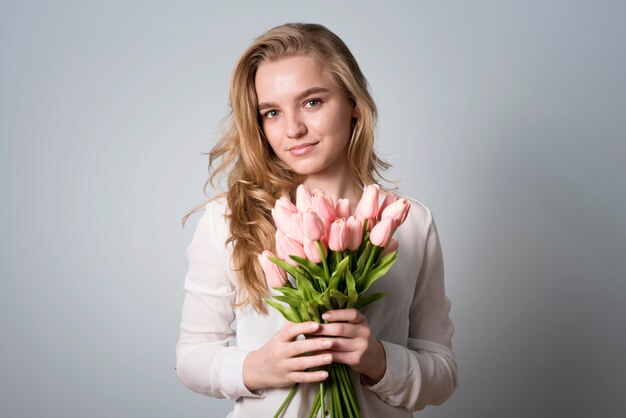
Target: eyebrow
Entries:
(305, 93)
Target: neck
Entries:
(337, 183)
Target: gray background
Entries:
(506, 118)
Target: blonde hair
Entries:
(256, 177)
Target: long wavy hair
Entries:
(255, 176)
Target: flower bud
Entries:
(324, 206)
(312, 252)
(274, 275)
(303, 198)
(389, 199)
(367, 207)
(355, 232)
(342, 208)
(339, 237)
(381, 232)
(398, 210)
(286, 246)
(296, 230)
(281, 212)
(312, 225)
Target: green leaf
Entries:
(311, 308)
(304, 314)
(290, 291)
(351, 290)
(305, 286)
(325, 298)
(284, 310)
(289, 300)
(339, 298)
(313, 269)
(284, 265)
(365, 282)
(338, 274)
(365, 300)
(362, 261)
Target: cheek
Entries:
(334, 124)
(270, 135)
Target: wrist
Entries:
(379, 365)
(250, 374)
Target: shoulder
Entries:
(216, 209)
(213, 224)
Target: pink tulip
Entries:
(339, 237)
(389, 199)
(303, 198)
(296, 230)
(355, 232)
(381, 233)
(312, 252)
(324, 206)
(393, 246)
(274, 275)
(367, 207)
(312, 225)
(286, 246)
(281, 212)
(342, 209)
(398, 210)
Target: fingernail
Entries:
(326, 316)
(328, 358)
(324, 375)
(314, 326)
(327, 343)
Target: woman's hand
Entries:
(353, 343)
(282, 360)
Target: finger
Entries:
(290, 331)
(307, 377)
(338, 329)
(299, 347)
(349, 358)
(348, 345)
(298, 364)
(344, 315)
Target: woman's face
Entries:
(306, 118)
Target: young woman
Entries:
(302, 113)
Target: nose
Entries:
(295, 127)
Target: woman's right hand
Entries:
(282, 361)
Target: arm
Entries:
(204, 362)
(425, 372)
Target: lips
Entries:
(302, 149)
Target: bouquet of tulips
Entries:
(333, 257)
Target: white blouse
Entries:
(412, 322)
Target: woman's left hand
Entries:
(354, 344)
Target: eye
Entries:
(270, 114)
(313, 103)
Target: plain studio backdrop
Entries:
(507, 119)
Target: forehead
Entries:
(289, 76)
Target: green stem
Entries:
(322, 398)
(315, 406)
(324, 263)
(373, 254)
(348, 389)
(290, 396)
(338, 410)
(346, 401)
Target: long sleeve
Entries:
(423, 372)
(204, 361)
